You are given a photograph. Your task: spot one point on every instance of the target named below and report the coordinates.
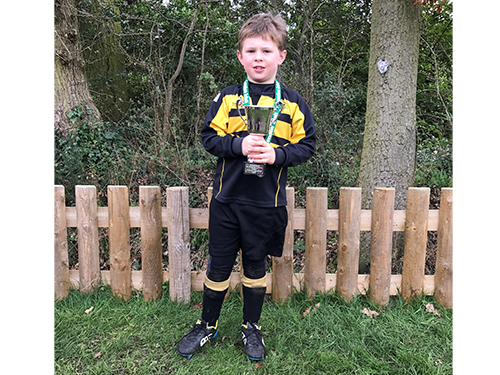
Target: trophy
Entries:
(258, 121)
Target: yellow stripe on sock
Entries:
(217, 286)
(254, 283)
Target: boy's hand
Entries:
(256, 148)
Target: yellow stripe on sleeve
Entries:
(277, 191)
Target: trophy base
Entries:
(254, 169)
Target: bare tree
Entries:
(167, 133)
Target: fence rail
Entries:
(316, 219)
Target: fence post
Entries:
(88, 237)
(417, 219)
(61, 261)
(349, 233)
(151, 224)
(282, 279)
(443, 278)
(315, 256)
(119, 241)
(178, 244)
(381, 245)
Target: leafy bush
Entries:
(128, 153)
(93, 154)
(339, 120)
(434, 163)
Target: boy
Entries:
(247, 211)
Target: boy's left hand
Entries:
(256, 148)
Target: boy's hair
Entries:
(265, 25)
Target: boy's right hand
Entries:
(247, 143)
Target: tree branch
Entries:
(168, 98)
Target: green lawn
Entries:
(137, 337)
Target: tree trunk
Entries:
(389, 145)
(70, 86)
(104, 60)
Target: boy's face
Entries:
(260, 57)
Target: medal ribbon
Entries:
(277, 100)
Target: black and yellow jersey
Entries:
(294, 140)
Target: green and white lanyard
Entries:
(277, 104)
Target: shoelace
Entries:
(198, 327)
(252, 332)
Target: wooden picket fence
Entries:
(349, 220)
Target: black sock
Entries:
(212, 304)
(253, 299)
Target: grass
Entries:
(137, 337)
